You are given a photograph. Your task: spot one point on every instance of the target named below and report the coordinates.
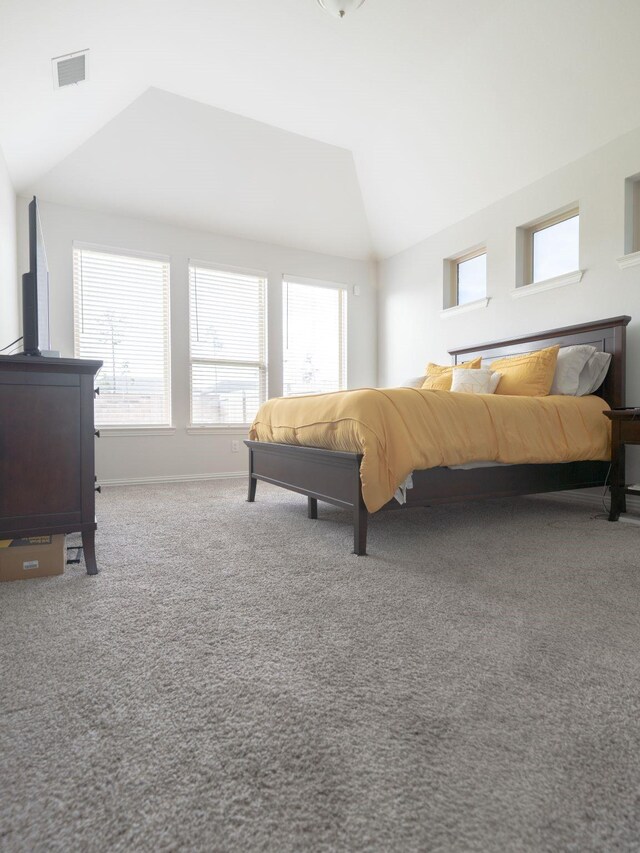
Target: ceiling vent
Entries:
(71, 69)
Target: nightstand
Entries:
(625, 429)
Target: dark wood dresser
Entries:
(47, 457)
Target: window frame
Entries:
(340, 289)
(263, 366)
(130, 428)
(528, 234)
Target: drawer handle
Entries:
(98, 489)
(96, 391)
(96, 432)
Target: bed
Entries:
(334, 476)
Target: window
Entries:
(121, 316)
(314, 345)
(465, 278)
(632, 215)
(555, 249)
(228, 345)
(551, 247)
(471, 279)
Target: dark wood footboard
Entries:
(325, 475)
(333, 477)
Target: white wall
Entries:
(9, 310)
(183, 454)
(411, 330)
(240, 177)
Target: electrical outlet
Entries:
(235, 446)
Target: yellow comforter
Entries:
(400, 430)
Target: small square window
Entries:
(549, 248)
(632, 215)
(465, 278)
(472, 279)
(555, 249)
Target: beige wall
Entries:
(9, 305)
(182, 454)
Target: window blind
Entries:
(315, 345)
(228, 345)
(121, 316)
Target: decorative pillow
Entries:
(593, 373)
(483, 381)
(527, 375)
(571, 361)
(439, 377)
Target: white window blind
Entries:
(228, 345)
(121, 316)
(315, 338)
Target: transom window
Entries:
(632, 215)
(555, 248)
(228, 345)
(465, 278)
(552, 247)
(471, 279)
(121, 316)
(315, 338)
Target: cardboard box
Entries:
(33, 557)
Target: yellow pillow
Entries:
(527, 375)
(439, 377)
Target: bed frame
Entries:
(334, 477)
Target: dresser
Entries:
(47, 454)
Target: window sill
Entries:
(131, 431)
(221, 429)
(467, 306)
(630, 260)
(548, 284)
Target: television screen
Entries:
(35, 290)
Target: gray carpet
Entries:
(235, 679)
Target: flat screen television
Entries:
(35, 290)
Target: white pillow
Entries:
(414, 382)
(571, 361)
(593, 373)
(482, 381)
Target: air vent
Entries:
(71, 69)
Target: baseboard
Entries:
(171, 478)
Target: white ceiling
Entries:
(446, 105)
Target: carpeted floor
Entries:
(236, 680)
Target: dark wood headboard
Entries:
(605, 335)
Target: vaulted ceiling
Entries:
(271, 120)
